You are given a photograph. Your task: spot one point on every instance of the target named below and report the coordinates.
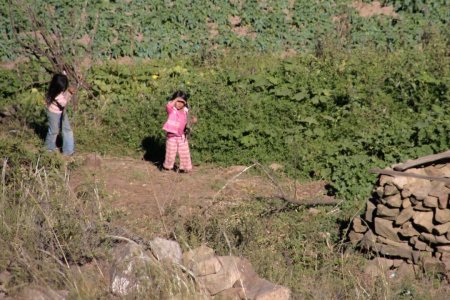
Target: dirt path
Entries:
(142, 196)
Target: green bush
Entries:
(331, 118)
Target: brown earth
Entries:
(142, 197)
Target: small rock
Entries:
(358, 225)
(394, 201)
(443, 249)
(400, 181)
(390, 190)
(385, 179)
(419, 207)
(442, 215)
(370, 208)
(430, 201)
(406, 193)
(386, 212)
(379, 191)
(406, 203)
(434, 239)
(386, 229)
(369, 240)
(404, 216)
(408, 230)
(442, 229)
(392, 251)
(355, 237)
(424, 220)
(418, 244)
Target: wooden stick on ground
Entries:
(423, 160)
(413, 175)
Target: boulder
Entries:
(232, 269)
(129, 269)
(205, 267)
(166, 250)
(231, 294)
(261, 289)
(198, 254)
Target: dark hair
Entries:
(59, 84)
(180, 94)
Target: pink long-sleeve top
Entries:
(176, 120)
(63, 98)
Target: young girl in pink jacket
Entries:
(175, 126)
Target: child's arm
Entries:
(72, 90)
(170, 105)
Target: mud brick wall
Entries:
(408, 218)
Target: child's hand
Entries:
(193, 120)
(72, 90)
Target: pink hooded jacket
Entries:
(176, 120)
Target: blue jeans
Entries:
(55, 121)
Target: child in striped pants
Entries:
(177, 118)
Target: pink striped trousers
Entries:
(180, 145)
